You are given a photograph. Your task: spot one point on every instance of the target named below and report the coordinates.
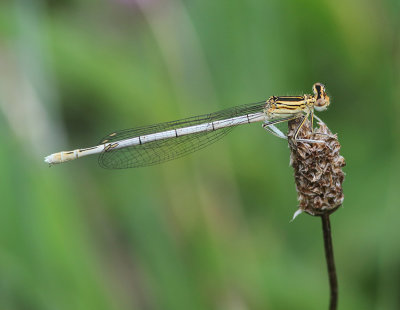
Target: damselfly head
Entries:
(322, 100)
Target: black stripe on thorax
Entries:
(289, 98)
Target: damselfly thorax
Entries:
(285, 108)
(149, 145)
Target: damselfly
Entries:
(154, 144)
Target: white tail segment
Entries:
(64, 156)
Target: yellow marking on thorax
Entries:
(286, 105)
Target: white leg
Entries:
(322, 122)
(270, 127)
(275, 131)
(318, 119)
(309, 141)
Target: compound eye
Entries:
(319, 90)
(322, 100)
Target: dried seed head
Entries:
(317, 168)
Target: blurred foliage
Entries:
(211, 230)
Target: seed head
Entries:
(317, 168)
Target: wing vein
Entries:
(161, 150)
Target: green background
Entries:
(211, 230)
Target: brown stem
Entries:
(326, 228)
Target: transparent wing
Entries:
(160, 151)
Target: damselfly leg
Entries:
(271, 128)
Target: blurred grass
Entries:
(209, 231)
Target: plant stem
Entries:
(326, 228)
